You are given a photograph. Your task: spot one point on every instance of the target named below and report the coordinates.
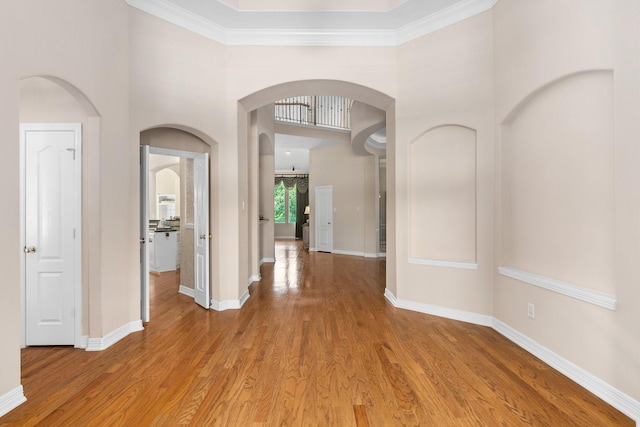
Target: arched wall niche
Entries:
(442, 196)
(50, 99)
(557, 182)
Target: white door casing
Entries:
(324, 218)
(144, 233)
(51, 188)
(201, 229)
(201, 225)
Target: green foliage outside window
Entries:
(292, 205)
(279, 203)
(284, 204)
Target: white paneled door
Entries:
(201, 229)
(324, 218)
(52, 218)
(145, 239)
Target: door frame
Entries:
(77, 220)
(317, 214)
(144, 285)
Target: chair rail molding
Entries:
(444, 263)
(591, 296)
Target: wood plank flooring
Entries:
(316, 344)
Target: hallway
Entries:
(315, 344)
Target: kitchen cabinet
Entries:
(164, 251)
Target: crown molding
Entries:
(247, 36)
(444, 18)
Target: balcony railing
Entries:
(315, 110)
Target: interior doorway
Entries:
(174, 221)
(51, 187)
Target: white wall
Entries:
(87, 48)
(445, 116)
(567, 90)
(351, 177)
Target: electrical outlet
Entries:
(530, 311)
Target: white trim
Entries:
(255, 278)
(184, 290)
(244, 297)
(77, 182)
(230, 304)
(603, 390)
(175, 153)
(391, 297)
(263, 260)
(11, 400)
(247, 32)
(443, 263)
(354, 253)
(616, 398)
(99, 344)
(351, 253)
(84, 342)
(435, 310)
(284, 237)
(598, 298)
(444, 18)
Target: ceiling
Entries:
(313, 22)
(292, 151)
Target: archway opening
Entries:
(249, 126)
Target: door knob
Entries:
(29, 249)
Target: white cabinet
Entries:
(164, 250)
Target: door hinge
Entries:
(74, 233)
(73, 150)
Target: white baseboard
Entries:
(230, 304)
(244, 297)
(11, 400)
(352, 253)
(603, 390)
(184, 290)
(84, 342)
(264, 260)
(284, 237)
(254, 278)
(595, 385)
(435, 310)
(99, 344)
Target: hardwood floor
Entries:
(316, 344)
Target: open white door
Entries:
(324, 218)
(144, 232)
(201, 229)
(52, 226)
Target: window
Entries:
(284, 204)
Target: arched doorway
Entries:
(195, 160)
(54, 104)
(249, 142)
